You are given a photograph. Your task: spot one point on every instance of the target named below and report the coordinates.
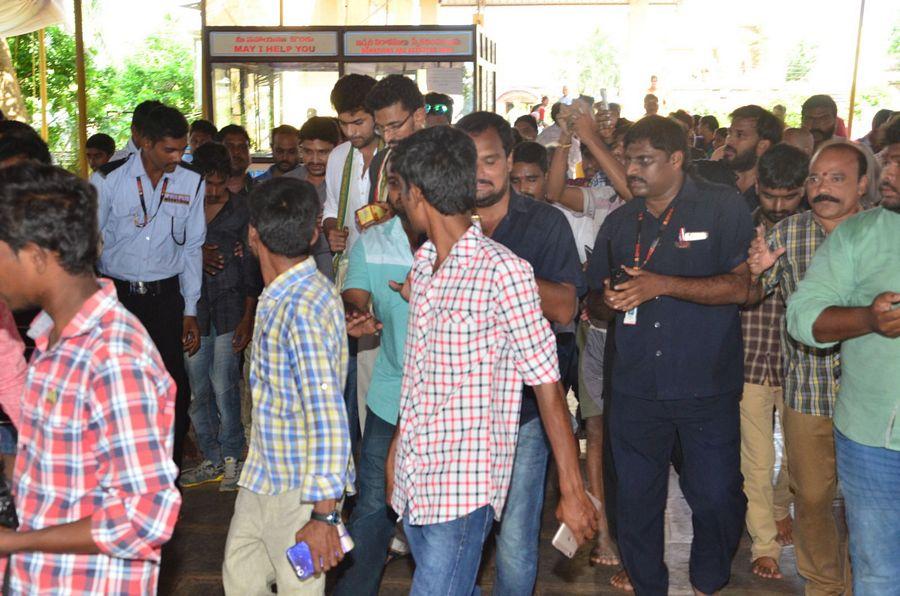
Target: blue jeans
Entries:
(372, 523)
(870, 482)
(448, 555)
(214, 372)
(520, 524)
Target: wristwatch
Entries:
(333, 518)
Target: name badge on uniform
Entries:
(178, 199)
(630, 317)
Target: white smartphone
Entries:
(564, 540)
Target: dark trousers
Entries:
(162, 316)
(643, 434)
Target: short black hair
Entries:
(16, 129)
(53, 209)
(651, 96)
(212, 158)
(392, 89)
(320, 128)
(892, 132)
(768, 127)
(441, 162)
(614, 107)
(881, 116)
(531, 152)
(664, 134)
(722, 132)
(710, 122)
(26, 146)
(819, 101)
(101, 142)
(284, 129)
(204, 126)
(163, 122)
(283, 211)
(478, 122)
(529, 120)
(554, 111)
(684, 118)
(783, 167)
(232, 129)
(435, 98)
(350, 91)
(142, 111)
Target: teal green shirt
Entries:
(859, 260)
(383, 254)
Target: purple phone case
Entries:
(301, 560)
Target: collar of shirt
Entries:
(281, 284)
(84, 321)
(463, 251)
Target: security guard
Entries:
(152, 225)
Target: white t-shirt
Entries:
(599, 201)
(358, 196)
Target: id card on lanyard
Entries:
(630, 317)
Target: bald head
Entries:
(800, 138)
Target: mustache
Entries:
(823, 198)
(488, 182)
(636, 179)
(888, 186)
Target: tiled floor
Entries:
(192, 561)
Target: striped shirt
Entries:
(300, 438)
(811, 375)
(476, 333)
(95, 440)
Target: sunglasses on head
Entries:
(436, 108)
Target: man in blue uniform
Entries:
(152, 226)
(678, 368)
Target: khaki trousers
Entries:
(765, 502)
(822, 556)
(262, 529)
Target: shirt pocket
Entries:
(177, 216)
(459, 342)
(61, 411)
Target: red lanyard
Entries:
(662, 228)
(162, 194)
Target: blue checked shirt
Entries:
(171, 242)
(300, 438)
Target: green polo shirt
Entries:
(383, 254)
(859, 260)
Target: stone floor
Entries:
(192, 560)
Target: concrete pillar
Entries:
(636, 69)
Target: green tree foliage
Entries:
(160, 69)
(594, 65)
(801, 62)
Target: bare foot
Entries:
(621, 581)
(604, 552)
(785, 529)
(766, 568)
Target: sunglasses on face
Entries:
(436, 108)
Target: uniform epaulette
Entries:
(109, 166)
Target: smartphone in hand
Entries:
(564, 540)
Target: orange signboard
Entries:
(269, 44)
(409, 43)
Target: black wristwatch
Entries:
(333, 518)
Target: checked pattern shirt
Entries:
(476, 333)
(95, 440)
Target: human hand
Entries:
(642, 287)
(403, 289)
(884, 314)
(213, 261)
(242, 335)
(337, 240)
(361, 323)
(761, 258)
(190, 335)
(579, 514)
(324, 544)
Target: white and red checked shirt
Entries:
(95, 440)
(475, 334)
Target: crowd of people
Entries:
(398, 308)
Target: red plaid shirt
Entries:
(96, 441)
(475, 334)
